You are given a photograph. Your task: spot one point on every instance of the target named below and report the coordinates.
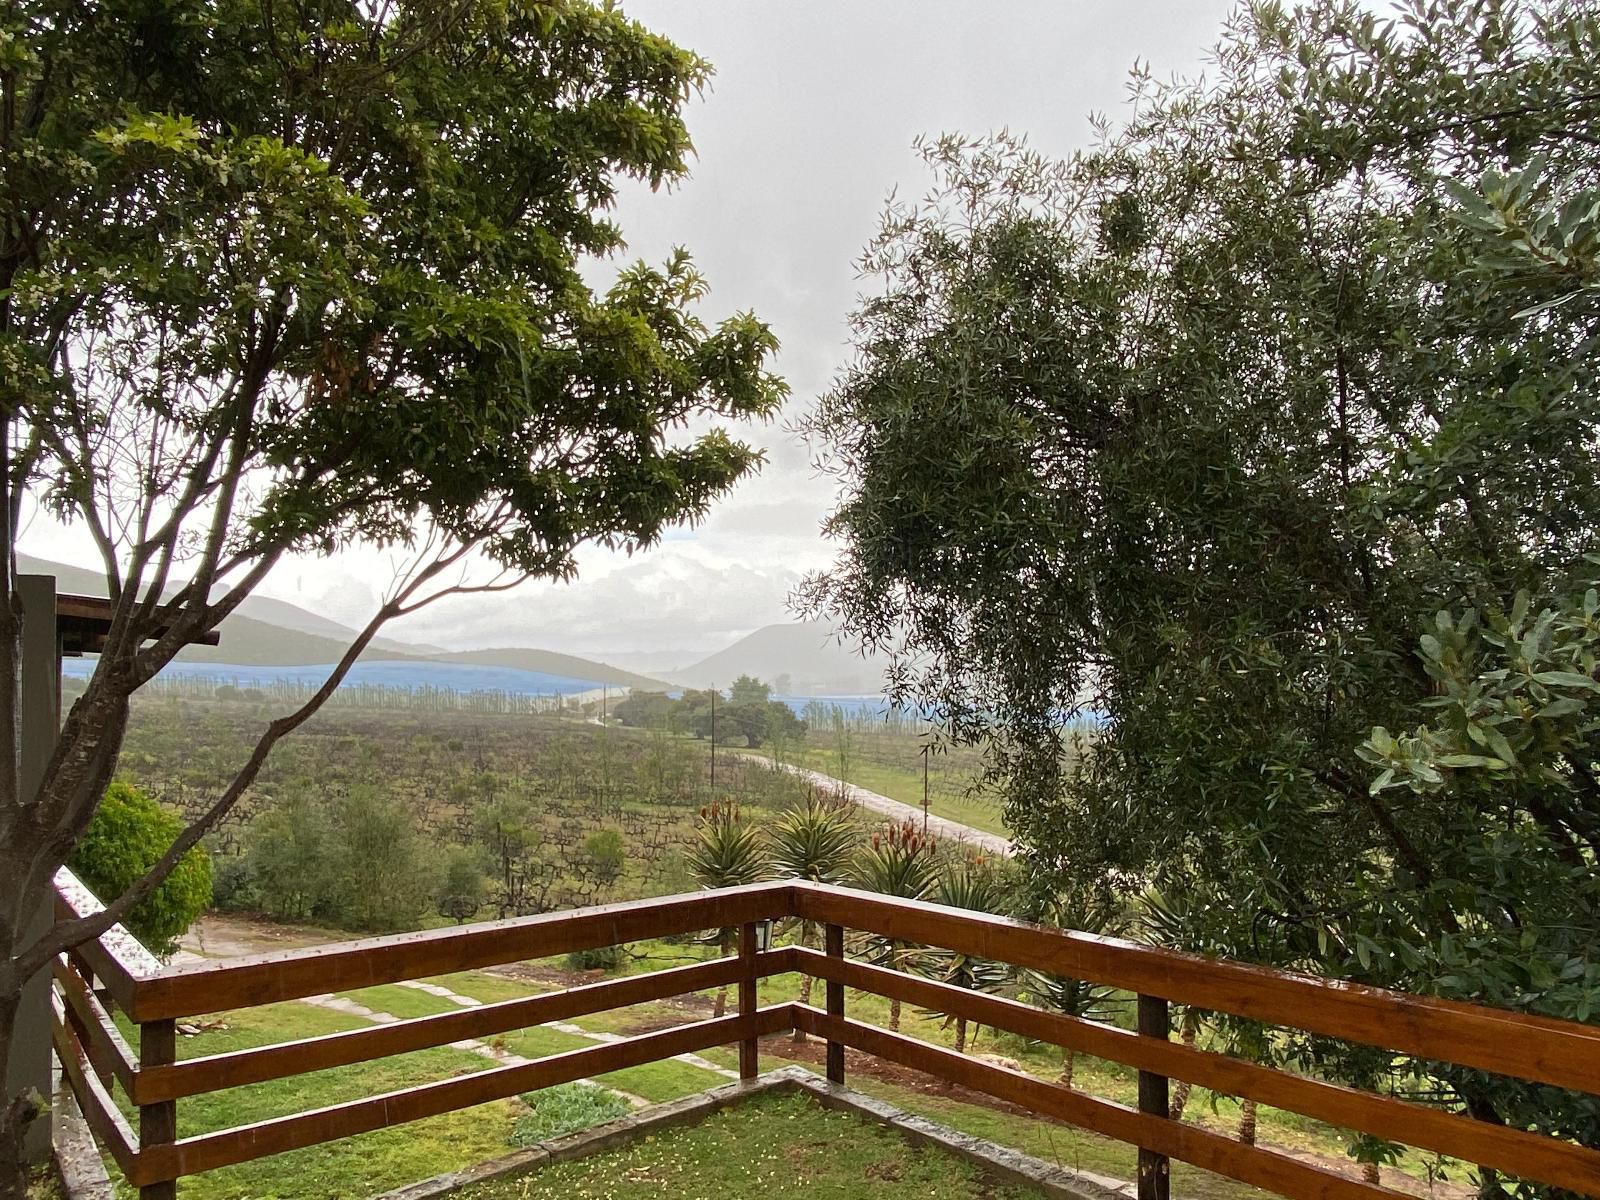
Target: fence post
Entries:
(833, 944)
(158, 1123)
(1154, 1169)
(748, 1047)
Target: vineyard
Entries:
(551, 811)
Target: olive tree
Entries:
(1189, 435)
(283, 279)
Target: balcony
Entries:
(114, 973)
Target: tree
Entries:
(383, 883)
(461, 890)
(275, 282)
(644, 710)
(812, 841)
(747, 689)
(293, 859)
(128, 835)
(727, 853)
(1190, 434)
(896, 861)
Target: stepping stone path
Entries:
(353, 1008)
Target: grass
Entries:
(903, 782)
(565, 1109)
(364, 1165)
(771, 1148)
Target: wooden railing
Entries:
(95, 1056)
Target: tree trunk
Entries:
(805, 998)
(894, 1016)
(1371, 1173)
(1247, 1122)
(17, 1114)
(1069, 1062)
(1189, 1030)
(961, 1035)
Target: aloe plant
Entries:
(971, 883)
(896, 861)
(812, 842)
(1072, 997)
(727, 853)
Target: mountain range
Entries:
(804, 658)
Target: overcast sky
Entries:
(806, 128)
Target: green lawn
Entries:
(770, 1148)
(904, 783)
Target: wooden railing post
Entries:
(1154, 1169)
(158, 1123)
(833, 944)
(749, 1048)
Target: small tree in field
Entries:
(278, 280)
(128, 835)
(971, 883)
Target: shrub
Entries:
(128, 835)
(600, 958)
(461, 888)
(233, 885)
(604, 850)
(565, 1108)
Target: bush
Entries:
(565, 1108)
(461, 887)
(606, 854)
(128, 835)
(233, 885)
(601, 958)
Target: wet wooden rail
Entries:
(114, 972)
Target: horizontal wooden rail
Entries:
(294, 974)
(1532, 1155)
(95, 1102)
(283, 1059)
(108, 1052)
(120, 963)
(208, 1151)
(1188, 1143)
(1560, 1053)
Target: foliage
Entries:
(896, 861)
(748, 713)
(729, 851)
(606, 854)
(279, 281)
(1186, 433)
(597, 958)
(976, 884)
(462, 889)
(565, 1108)
(812, 841)
(129, 833)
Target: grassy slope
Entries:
(771, 1148)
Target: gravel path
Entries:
(945, 828)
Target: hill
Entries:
(551, 662)
(809, 652)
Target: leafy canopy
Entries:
(130, 831)
(1193, 433)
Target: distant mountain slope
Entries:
(549, 662)
(268, 632)
(807, 652)
(279, 614)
